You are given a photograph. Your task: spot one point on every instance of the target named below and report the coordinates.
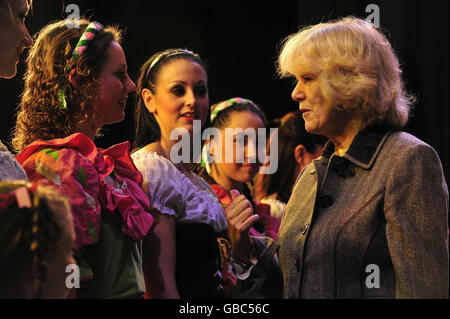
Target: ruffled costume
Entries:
(199, 221)
(110, 210)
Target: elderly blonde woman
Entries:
(367, 219)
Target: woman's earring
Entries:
(206, 158)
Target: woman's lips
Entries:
(248, 166)
(188, 116)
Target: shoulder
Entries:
(152, 164)
(405, 145)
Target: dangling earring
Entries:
(206, 158)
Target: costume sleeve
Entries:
(162, 184)
(78, 180)
(416, 208)
(172, 193)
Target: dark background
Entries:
(239, 42)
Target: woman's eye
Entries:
(178, 90)
(121, 75)
(201, 90)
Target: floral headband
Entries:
(85, 40)
(219, 107)
(166, 55)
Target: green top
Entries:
(115, 263)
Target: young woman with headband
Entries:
(241, 118)
(76, 82)
(172, 93)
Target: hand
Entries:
(240, 218)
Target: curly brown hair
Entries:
(39, 115)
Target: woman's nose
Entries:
(190, 98)
(130, 86)
(251, 150)
(298, 94)
(27, 42)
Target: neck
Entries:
(89, 130)
(343, 140)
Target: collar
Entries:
(365, 146)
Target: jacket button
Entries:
(326, 201)
(304, 229)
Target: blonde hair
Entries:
(356, 67)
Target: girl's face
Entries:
(114, 87)
(180, 96)
(233, 175)
(14, 36)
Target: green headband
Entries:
(219, 107)
(85, 40)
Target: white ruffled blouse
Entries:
(188, 199)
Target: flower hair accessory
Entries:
(85, 40)
(219, 107)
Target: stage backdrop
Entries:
(239, 41)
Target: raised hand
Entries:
(240, 218)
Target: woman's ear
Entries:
(147, 96)
(299, 154)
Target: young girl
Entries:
(75, 83)
(238, 115)
(172, 94)
(36, 241)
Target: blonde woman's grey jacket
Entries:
(370, 224)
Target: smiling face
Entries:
(180, 96)
(235, 174)
(14, 36)
(114, 86)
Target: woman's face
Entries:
(180, 96)
(238, 172)
(14, 36)
(114, 87)
(321, 116)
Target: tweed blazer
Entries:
(372, 223)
